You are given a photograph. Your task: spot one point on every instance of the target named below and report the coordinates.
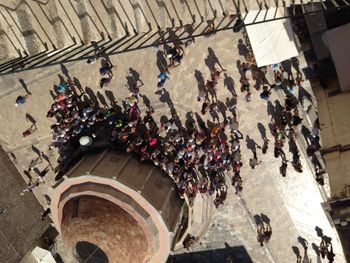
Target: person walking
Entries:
(20, 100)
(260, 237)
(254, 161)
(30, 130)
(162, 77)
(267, 233)
(265, 94)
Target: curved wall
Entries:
(157, 236)
(101, 222)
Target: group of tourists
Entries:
(194, 157)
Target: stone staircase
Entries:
(46, 27)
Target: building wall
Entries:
(334, 116)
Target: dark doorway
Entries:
(90, 253)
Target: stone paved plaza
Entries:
(292, 203)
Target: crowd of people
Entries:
(196, 156)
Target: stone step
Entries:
(149, 14)
(63, 31)
(108, 18)
(212, 8)
(56, 24)
(182, 11)
(8, 45)
(158, 9)
(42, 26)
(198, 9)
(130, 14)
(18, 35)
(38, 31)
(89, 27)
(231, 7)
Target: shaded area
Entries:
(227, 254)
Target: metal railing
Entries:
(137, 40)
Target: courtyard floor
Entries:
(292, 203)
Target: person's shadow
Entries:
(293, 148)
(296, 65)
(78, 85)
(147, 102)
(200, 80)
(190, 123)
(47, 159)
(135, 75)
(24, 86)
(251, 144)
(230, 84)
(278, 109)
(31, 119)
(296, 252)
(111, 98)
(242, 49)
(65, 71)
(304, 94)
(102, 99)
(29, 176)
(165, 98)
(161, 61)
(262, 130)
(258, 220)
(200, 121)
(303, 242)
(222, 109)
(265, 219)
(53, 94)
(130, 82)
(307, 135)
(212, 60)
(271, 111)
(91, 94)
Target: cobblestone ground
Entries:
(292, 204)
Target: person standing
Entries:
(30, 130)
(162, 77)
(254, 161)
(22, 99)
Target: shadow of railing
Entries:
(111, 10)
(99, 18)
(136, 6)
(13, 32)
(25, 33)
(71, 22)
(83, 15)
(56, 19)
